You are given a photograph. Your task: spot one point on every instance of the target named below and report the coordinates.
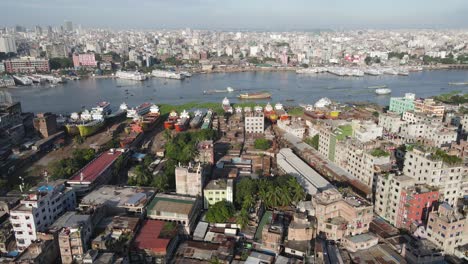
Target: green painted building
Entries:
(402, 104)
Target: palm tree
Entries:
(296, 190)
(243, 218)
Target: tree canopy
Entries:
(65, 168)
(220, 212)
(262, 144)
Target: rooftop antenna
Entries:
(46, 176)
(21, 186)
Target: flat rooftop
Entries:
(171, 203)
(293, 165)
(118, 196)
(89, 173)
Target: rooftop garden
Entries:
(439, 154)
(378, 152)
(343, 131)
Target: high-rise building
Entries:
(68, 26)
(189, 180)
(436, 168)
(39, 210)
(7, 44)
(56, 50)
(447, 228)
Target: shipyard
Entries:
(246, 132)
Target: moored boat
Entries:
(261, 95)
(197, 119)
(141, 110)
(181, 124)
(171, 120)
(383, 91)
(207, 120)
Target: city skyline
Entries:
(261, 15)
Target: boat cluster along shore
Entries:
(360, 72)
(138, 76)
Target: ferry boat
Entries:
(167, 74)
(101, 110)
(227, 105)
(262, 95)
(181, 124)
(171, 120)
(458, 83)
(270, 113)
(372, 72)
(227, 90)
(135, 76)
(22, 80)
(197, 119)
(141, 110)
(146, 122)
(390, 71)
(280, 112)
(383, 91)
(377, 87)
(119, 115)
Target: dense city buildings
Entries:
(40, 209)
(237, 180)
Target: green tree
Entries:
(246, 187)
(262, 144)
(313, 142)
(243, 218)
(220, 212)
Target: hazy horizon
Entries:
(241, 14)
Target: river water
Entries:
(286, 87)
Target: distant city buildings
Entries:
(84, 60)
(7, 45)
(27, 65)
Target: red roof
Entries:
(95, 168)
(148, 238)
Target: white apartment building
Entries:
(391, 122)
(428, 167)
(432, 134)
(464, 123)
(39, 210)
(361, 160)
(189, 180)
(254, 123)
(417, 117)
(294, 127)
(387, 195)
(366, 131)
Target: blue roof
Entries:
(136, 198)
(138, 156)
(45, 188)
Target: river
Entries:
(285, 87)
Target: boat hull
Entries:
(90, 129)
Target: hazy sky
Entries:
(242, 14)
